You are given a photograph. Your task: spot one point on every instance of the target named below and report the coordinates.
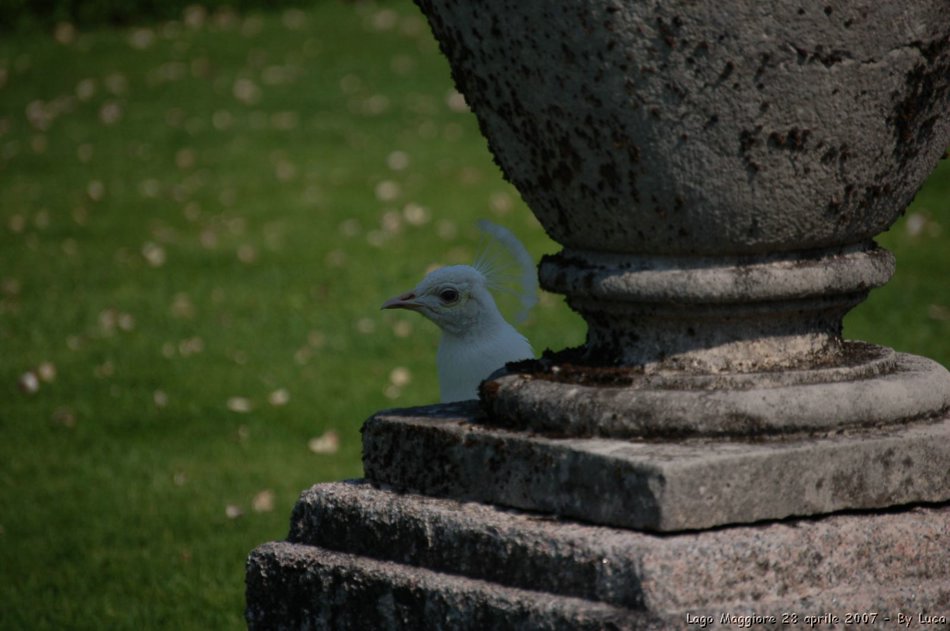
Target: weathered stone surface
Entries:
(662, 486)
(361, 557)
(291, 586)
(707, 127)
(674, 405)
(716, 314)
(716, 171)
(758, 564)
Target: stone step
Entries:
(663, 486)
(293, 586)
(480, 541)
(887, 558)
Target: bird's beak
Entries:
(403, 301)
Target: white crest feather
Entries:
(521, 269)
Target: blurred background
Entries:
(202, 208)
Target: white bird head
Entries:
(455, 298)
(476, 340)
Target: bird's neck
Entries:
(483, 322)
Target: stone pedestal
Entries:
(438, 537)
(360, 557)
(715, 453)
(662, 486)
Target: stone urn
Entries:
(716, 173)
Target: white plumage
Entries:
(476, 339)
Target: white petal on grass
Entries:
(116, 83)
(28, 383)
(154, 254)
(279, 397)
(456, 101)
(185, 158)
(10, 286)
(192, 211)
(16, 223)
(374, 105)
(39, 115)
(350, 227)
(84, 152)
(915, 224)
(126, 321)
(397, 160)
(285, 121)
(233, 511)
(294, 19)
(41, 219)
(64, 33)
(142, 38)
(252, 26)
(86, 89)
(96, 190)
(46, 372)
(391, 221)
(80, 215)
(500, 203)
(191, 346)
(247, 253)
(246, 91)
(384, 20)
(940, 313)
(182, 307)
(350, 84)
(160, 398)
(415, 214)
(317, 339)
(194, 16)
(402, 64)
(39, 143)
(222, 120)
(447, 230)
(104, 370)
(400, 376)
(70, 247)
(150, 188)
(366, 325)
(303, 355)
(402, 328)
(376, 238)
(263, 502)
(208, 238)
(240, 405)
(285, 170)
(108, 321)
(326, 443)
(336, 258)
(64, 416)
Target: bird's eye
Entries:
(448, 295)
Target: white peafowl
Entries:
(476, 339)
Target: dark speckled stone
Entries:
(657, 485)
(361, 557)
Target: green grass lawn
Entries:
(198, 223)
